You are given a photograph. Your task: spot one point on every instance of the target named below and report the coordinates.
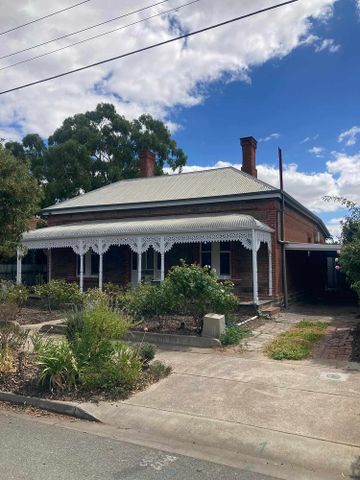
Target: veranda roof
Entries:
(147, 227)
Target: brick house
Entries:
(135, 230)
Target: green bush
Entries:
(59, 292)
(234, 334)
(94, 343)
(12, 339)
(57, 364)
(93, 296)
(74, 323)
(195, 290)
(12, 293)
(158, 370)
(117, 373)
(145, 301)
(146, 352)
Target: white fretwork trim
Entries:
(160, 244)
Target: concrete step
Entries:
(271, 310)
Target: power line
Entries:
(132, 12)
(99, 35)
(150, 47)
(45, 16)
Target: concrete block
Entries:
(214, 325)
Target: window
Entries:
(224, 259)
(91, 264)
(217, 255)
(206, 254)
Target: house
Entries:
(135, 230)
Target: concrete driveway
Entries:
(302, 417)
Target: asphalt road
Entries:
(32, 450)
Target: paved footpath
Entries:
(298, 415)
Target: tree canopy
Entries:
(93, 149)
(20, 196)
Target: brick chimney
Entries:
(147, 163)
(249, 155)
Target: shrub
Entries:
(234, 334)
(59, 292)
(12, 293)
(117, 374)
(197, 291)
(146, 352)
(159, 370)
(93, 343)
(12, 339)
(93, 296)
(74, 323)
(58, 366)
(145, 301)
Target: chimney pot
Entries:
(249, 145)
(147, 163)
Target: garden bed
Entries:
(30, 316)
(181, 324)
(25, 382)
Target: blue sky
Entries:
(289, 77)
(306, 99)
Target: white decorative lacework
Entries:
(160, 244)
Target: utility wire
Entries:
(150, 47)
(164, 12)
(45, 16)
(127, 14)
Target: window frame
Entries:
(87, 264)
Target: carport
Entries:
(311, 272)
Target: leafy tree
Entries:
(19, 200)
(349, 259)
(93, 149)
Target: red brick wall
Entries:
(298, 228)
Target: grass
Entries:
(297, 343)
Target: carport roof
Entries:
(313, 247)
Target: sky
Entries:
(290, 78)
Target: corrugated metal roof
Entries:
(148, 226)
(184, 186)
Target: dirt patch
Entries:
(30, 316)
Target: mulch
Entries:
(31, 316)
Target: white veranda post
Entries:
(270, 269)
(101, 271)
(81, 272)
(139, 265)
(18, 266)
(254, 245)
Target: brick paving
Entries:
(337, 344)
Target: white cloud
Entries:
(350, 136)
(327, 44)
(340, 178)
(316, 151)
(272, 136)
(155, 81)
(334, 226)
(307, 139)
